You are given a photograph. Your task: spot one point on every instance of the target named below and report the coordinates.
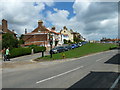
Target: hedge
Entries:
(15, 52)
(39, 49)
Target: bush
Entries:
(32, 46)
(39, 49)
(15, 52)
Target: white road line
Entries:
(59, 74)
(115, 83)
(100, 59)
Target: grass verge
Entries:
(80, 51)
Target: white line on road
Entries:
(100, 59)
(115, 83)
(59, 74)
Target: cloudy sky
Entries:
(93, 20)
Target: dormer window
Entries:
(38, 30)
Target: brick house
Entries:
(40, 35)
(0, 32)
(4, 29)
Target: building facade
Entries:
(40, 36)
(70, 34)
(4, 29)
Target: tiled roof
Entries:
(8, 30)
(35, 43)
(32, 33)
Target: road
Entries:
(93, 71)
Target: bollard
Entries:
(63, 55)
(32, 51)
(42, 53)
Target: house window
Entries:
(38, 30)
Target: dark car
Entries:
(57, 50)
(68, 47)
(74, 46)
(83, 43)
(79, 44)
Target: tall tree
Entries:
(8, 40)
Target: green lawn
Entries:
(81, 51)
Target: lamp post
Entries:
(51, 43)
(44, 38)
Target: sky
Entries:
(93, 20)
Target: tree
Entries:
(56, 42)
(21, 41)
(76, 39)
(65, 41)
(8, 40)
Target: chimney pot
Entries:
(53, 28)
(40, 22)
(25, 31)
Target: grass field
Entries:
(81, 51)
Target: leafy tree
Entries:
(56, 42)
(69, 41)
(76, 39)
(65, 41)
(8, 40)
(21, 41)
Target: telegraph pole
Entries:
(51, 43)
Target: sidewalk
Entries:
(27, 58)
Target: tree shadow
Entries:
(96, 80)
(114, 60)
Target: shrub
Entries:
(15, 52)
(39, 49)
(32, 46)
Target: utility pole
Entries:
(51, 43)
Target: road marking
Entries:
(59, 74)
(100, 59)
(115, 83)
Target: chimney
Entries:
(65, 27)
(4, 25)
(25, 31)
(53, 28)
(13, 30)
(40, 22)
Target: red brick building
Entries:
(4, 29)
(39, 36)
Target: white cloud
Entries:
(21, 15)
(93, 20)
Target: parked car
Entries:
(68, 47)
(65, 48)
(57, 50)
(84, 42)
(73, 46)
(79, 44)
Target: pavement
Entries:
(22, 60)
(99, 70)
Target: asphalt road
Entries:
(93, 71)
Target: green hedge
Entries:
(39, 49)
(15, 52)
